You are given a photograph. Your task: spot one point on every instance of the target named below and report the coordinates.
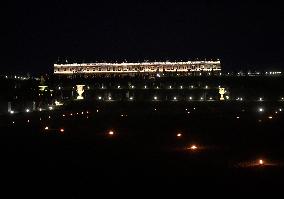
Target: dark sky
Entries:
(243, 35)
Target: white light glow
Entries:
(131, 98)
(27, 110)
(260, 109)
(12, 112)
(155, 97)
(46, 128)
(99, 97)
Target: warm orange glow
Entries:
(179, 135)
(193, 147)
(61, 130)
(110, 132)
(261, 162)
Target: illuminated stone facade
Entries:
(133, 68)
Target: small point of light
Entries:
(13, 122)
(261, 162)
(145, 86)
(270, 117)
(190, 98)
(40, 109)
(61, 130)
(132, 86)
(12, 112)
(28, 121)
(181, 87)
(50, 108)
(238, 117)
(99, 97)
(175, 98)
(109, 98)
(194, 108)
(46, 128)
(97, 110)
(118, 86)
(71, 114)
(155, 109)
(155, 97)
(179, 135)
(87, 112)
(111, 133)
(260, 110)
(82, 113)
(280, 109)
(170, 86)
(63, 115)
(206, 86)
(131, 98)
(27, 110)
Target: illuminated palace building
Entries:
(187, 68)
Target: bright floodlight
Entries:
(193, 147)
(27, 110)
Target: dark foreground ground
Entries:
(144, 154)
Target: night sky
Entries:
(243, 35)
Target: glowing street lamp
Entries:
(27, 110)
(175, 98)
(99, 97)
(190, 98)
(111, 133)
(131, 98)
(260, 109)
(46, 128)
(12, 112)
(260, 162)
(61, 130)
(155, 97)
(179, 135)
